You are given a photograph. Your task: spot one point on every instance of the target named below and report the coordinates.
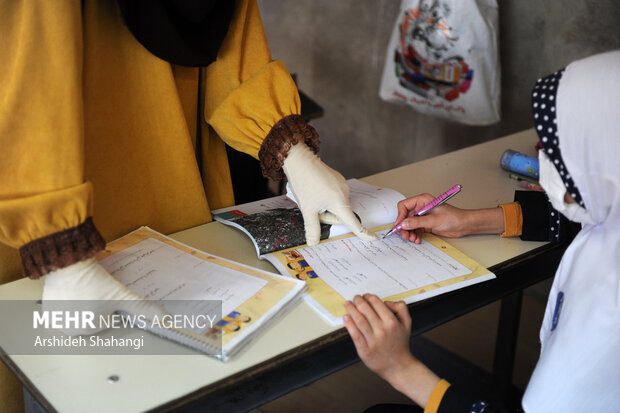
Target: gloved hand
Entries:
(92, 288)
(322, 194)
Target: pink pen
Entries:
(435, 202)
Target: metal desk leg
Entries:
(506, 345)
(30, 404)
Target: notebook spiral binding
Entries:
(186, 338)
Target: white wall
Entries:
(337, 48)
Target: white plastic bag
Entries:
(443, 60)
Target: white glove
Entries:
(88, 280)
(320, 190)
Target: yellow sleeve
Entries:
(247, 92)
(44, 199)
(436, 396)
(513, 219)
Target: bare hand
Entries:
(380, 332)
(444, 220)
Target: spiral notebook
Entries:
(168, 272)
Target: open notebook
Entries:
(342, 265)
(337, 269)
(167, 272)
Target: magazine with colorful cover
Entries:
(276, 223)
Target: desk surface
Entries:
(79, 383)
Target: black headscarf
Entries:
(183, 32)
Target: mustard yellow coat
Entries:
(92, 124)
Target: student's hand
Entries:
(322, 194)
(444, 220)
(380, 332)
(89, 287)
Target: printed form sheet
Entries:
(157, 271)
(383, 267)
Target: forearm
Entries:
(414, 380)
(485, 221)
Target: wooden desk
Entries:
(301, 347)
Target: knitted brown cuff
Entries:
(61, 249)
(289, 131)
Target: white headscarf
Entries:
(579, 366)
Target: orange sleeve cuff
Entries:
(513, 219)
(436, 396)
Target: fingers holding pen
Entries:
(410, 205)
(406, 207)
(445, 220)
(414, 227)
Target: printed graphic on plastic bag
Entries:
(443, 60)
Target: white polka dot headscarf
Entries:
(545, 121)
